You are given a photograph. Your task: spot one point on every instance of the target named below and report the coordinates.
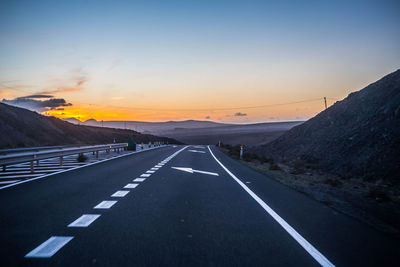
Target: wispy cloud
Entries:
(240, 114)
(78, 85)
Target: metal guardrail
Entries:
(37, 156)
(25, 149)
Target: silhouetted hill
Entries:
(21, 127)
(356, 137)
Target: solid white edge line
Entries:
(321, 259)
(62, 241)
(90, 164)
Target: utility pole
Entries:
(325, 102)
(102, 124)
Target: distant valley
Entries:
(203, 132)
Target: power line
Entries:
(215, 109)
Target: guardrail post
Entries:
(32, 167)
(97, 154)
(61, 160)
(4, 168)
(37, 162)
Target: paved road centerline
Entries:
(131, 186)
(318, 256)
(84, 221)
(106, 204)
(49, 247)
(120, 193)
(139, 179)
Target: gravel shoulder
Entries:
(375, 203)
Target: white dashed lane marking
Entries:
(130, 186)
(106, 204)
(84, 221)
(49, 247)
(120, 193)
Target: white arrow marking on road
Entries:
(193, 171)
(196, 151)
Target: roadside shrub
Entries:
(249, 156)
(81, 158)
(333, 182)
(378, 195)
(274, 167)
(263, 160)
(297, 171)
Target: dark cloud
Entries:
(37, 96)
(207, 117)
(239, 114)
(38, 105)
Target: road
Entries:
(208, 210)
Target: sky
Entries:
(228, 61)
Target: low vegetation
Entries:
(82, 158)
(374, 202)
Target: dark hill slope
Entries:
(21, 127)
(357, 137)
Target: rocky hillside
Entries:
(358, 137)
(21, 127)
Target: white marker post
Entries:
(241, 151)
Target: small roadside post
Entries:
(131, 145)
(241, 151)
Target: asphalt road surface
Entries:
(178, 206)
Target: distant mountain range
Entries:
(149, 127)
(356, 137)
(202, 132)
(21, 127)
